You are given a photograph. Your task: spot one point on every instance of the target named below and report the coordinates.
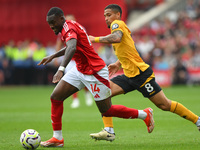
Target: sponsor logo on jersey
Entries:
(69, 34)
(115, 26)
(96, 96)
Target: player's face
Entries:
(55, 23)
(110, 16)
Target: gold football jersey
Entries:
(126, 52)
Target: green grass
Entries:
(29, 107)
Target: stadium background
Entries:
(22, 19)
(24, 107)
(168, 42)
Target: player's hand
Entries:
(91, 38)
(45, 60)
(113, 68)
(57, 76)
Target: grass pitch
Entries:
(23, 108)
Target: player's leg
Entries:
(162, 102)
(142, 114)
(116, 111)
(107, 121)
(62, 91)
(120, 111)
(68, 85)
(75, 101)
(153, 91)
(88, 97)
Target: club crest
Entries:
(115, 26)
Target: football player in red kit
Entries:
(90, 71)
(75, 99)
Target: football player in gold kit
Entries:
(137, 74)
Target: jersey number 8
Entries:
(149, 87)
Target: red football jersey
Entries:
(87, 60)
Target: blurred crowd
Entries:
(172, 43)
(168, 43)
(18, 62)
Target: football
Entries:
(30, 139)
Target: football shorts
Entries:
(144, 83)
(98, 83)
(70, 65)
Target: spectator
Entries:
(106, 53)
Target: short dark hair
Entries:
(55, 11)
(114, 7)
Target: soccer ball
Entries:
(30, 139)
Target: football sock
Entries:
(88, 95)
(58, 134)
(121, 112)
(182, 111)
(75, 99)
(198, 122)
(56, 114)
(86, 90)
(107, 121)
(109, 129)
(142, 114)
(75, 95)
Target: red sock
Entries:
(86, 89)
(75, 95)
(121, 112)
(56, 114)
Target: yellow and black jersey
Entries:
(126, 52)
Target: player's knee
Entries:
(103, 110)
(106, 113)
(104, 105)
(52, 96)
(165, 106)
(55, 97)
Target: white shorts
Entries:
(70, 65)
(98, 84)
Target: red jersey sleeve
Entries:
(70, 34)
(87, 60)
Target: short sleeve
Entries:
(70, 34)
(116, 25)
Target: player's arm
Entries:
(69, 52)
(113, 68)
(118, 64)
(48, 59)
(58, 44)
(59, 53)
(114, 37)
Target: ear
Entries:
(62, 18)
(118, 15)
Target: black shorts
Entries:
(149, 89)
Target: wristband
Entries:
(61, 68)
(96, 39)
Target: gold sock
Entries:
(182, 111)
(108, 122)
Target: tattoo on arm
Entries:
(115, 37)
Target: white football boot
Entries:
(103, 135)
(75, 103)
